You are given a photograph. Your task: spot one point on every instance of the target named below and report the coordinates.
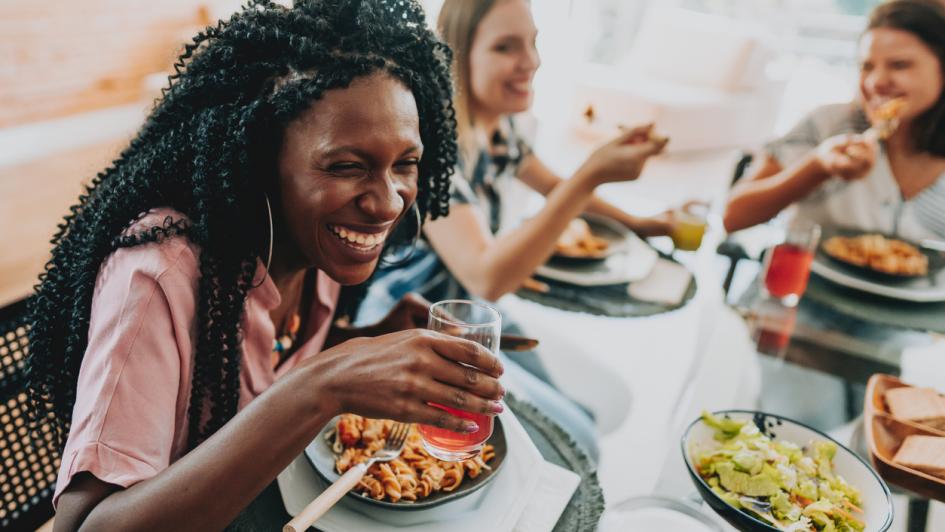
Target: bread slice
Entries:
(923, 453)
(918, 405)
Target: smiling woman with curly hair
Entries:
(182, 335)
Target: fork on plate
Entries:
(393, 446)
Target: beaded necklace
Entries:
(282, 344)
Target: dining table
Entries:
(583, 511)
(646, 377)
(643, 378)
(817, 357)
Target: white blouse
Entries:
(873, 203)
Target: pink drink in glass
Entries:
(481, 324)
(788, 270)
(460, 443)
(787, 266)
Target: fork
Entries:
(393, 446)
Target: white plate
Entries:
(920, 290)
(497, 506)
(632, 262)
(612, 231)
(657, 513)
(876, 499)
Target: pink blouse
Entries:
(130, 416)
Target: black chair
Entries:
(730, 247)
(29, 460)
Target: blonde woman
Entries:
(494, 63)
(460, 256)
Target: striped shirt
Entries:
(873, 203)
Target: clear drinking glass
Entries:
(690, 223)
(787, 265)
(481, 324)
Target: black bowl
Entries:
(877, 501)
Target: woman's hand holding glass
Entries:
(849, 157)
(622, 158)
(396, 375)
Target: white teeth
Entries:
(523, 86)
(361, 241)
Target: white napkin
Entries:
(925, 365)
(528, 496)
(554, 491)
(667, 283)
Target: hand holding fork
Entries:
(393, 446)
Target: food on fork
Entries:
(577, 240)
(918, 405)
(886, 255)
(412, 476)
(923, 453)
(891, 109)
(887, 115)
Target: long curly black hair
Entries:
(208, 150)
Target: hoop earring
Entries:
(271, 230)
(413, 245)
(416, 237)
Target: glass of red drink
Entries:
(481, 324)
(787, 265)
(772, 327)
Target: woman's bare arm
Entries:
(207, 488)
(543, 180)
(769, 189)
(394, 376)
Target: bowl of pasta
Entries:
(413, 481)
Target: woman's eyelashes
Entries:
(408, 166)
(345, 169)
(354, 169)
(901, 64)
(506, 46)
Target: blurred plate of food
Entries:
(627, 258)
(880, 256)
(880, 264)
(589, 238)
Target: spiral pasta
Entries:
(412, 476)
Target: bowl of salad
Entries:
(766, 472)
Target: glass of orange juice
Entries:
(689, 225)
(481, 324)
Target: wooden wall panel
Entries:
(29, 213)
(61, 57)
